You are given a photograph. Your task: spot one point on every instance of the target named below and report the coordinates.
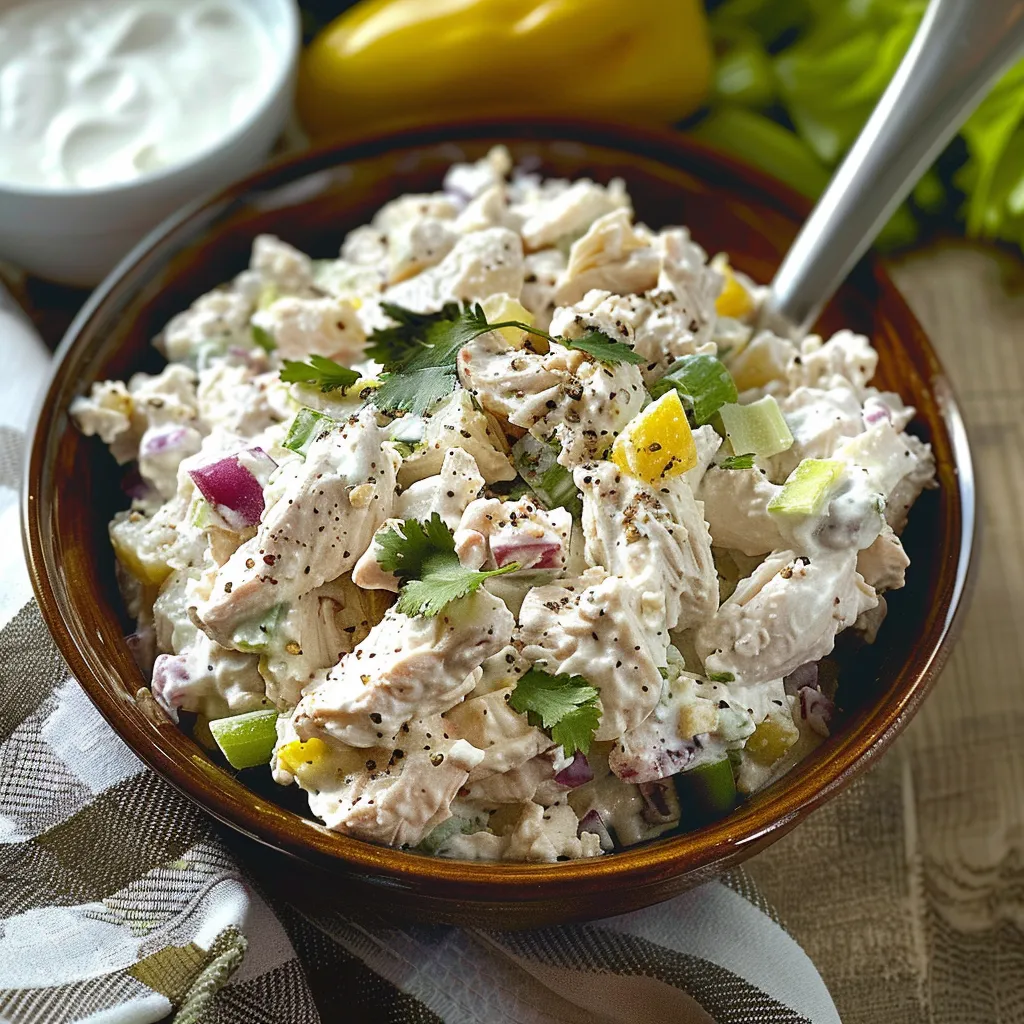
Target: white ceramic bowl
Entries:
(77, 235)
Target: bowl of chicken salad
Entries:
(435, 510)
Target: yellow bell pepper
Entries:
(658, 443)
(299, 756)
(734, 300)
(388, 62)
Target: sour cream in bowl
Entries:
(113, 113)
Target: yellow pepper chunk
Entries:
(499, 308)
(658, 443)
(771, 739)
(387, 62)
(148, 568)
(734, 300)
(299, 756)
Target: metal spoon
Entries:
(961, 48)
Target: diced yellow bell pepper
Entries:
(387, 62)
(734, 300)
(658, 443)
(299, 756)
(499, 308)
(149, 569)
(771, 739)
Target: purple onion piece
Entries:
(802, 675)
(657, 808)
(133, 485)
(876, 412)
(232, 489)
(165, 439)
(142, 644)
(576, 772)
(816, 709)
(170, 682)
(593, 822)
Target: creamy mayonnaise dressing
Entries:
(95, 92)
(692, 609)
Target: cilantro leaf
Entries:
(414, 391)
(392, 345)
(423, 557)
(321, 372)
(428, 372)
(421, 352)
(575, 730)
(603, 348)
(262, 337)
(737, 462)
(565, 705)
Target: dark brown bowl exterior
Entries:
(72, 491)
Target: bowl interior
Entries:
(73, 490)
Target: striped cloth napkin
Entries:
(121, 904)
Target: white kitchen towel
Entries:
(119, 904)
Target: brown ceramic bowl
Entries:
(72, 491)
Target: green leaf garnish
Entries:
(737, 462)
(263, 338)
(721, 677)
(391, 345)
(565, 705)
(320, 372)
(423, 557)
(703, 382)
(420, 353)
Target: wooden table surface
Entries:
(907, 891)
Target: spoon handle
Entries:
(961, 48)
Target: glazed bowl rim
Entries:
(222, 796)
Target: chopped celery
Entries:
(246, 740)
(440, 834)
(269, 294)
(756, 429)
(306, 425)
(706, 792)
(744, 73)
(201, 515)
(551, 483)
(263, 338)
(760, 141)
(805, 490)
(703, 383)
(254, 636)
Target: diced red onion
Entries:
(802, 675)
(232, 489)
(816, 709)
(593, 822)
(657, 809)
(576, 772)
(876, 412)
(663, 754)
(530, 552)
(163, 439)
(170, 682)
(134, 486)
(142, 644)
